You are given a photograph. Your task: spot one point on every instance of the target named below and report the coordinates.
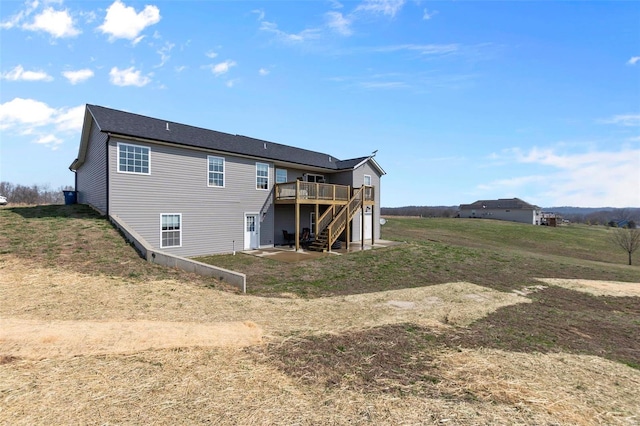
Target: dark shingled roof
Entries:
(139, 126)
(502, 203)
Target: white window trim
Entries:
(135, 146)
(181, 229)
(224, 171)
(285, 175)
(370, 180)
(256, 181)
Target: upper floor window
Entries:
(367, 180)
(216, 171)
(281, 175)
(262, 176)
(133, 159)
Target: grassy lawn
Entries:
(500, 255)
(567, 357)
(77, 239)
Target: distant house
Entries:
(190, 191)
(511, 209)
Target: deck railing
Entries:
(303, 191)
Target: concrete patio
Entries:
(287, 254)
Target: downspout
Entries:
(107, 188)
(75, 176)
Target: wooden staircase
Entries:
(332, 224)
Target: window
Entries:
(216, 171)
(171, 230)
(281, 175)
(367, 180)
(310, 177)
(133, 159)
(312, 222)
(262, 176)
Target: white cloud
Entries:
(78, 76)
(426, 15)
(231, 83)
(164, 53)
(27, 112)
(423, 49)
(634, 60)
(50, 141)
(385, 7)
(222, 67)
(263, 71)
(123, 21)
(19, 74)
(587, 179)
(624, 120)
(70, 119)
(337, 22)
(58, 23)
(383, 85)
(260, 13)
(16, 19)
(211, 54)
(44, 124)
(308, 34)
(128, 77)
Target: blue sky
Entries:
(463, 100)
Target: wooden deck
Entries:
(299, 192)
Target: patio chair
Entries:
(305, 238)
(288, 237)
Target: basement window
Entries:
(170, 230)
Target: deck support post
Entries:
(362, 224)
(297, 232)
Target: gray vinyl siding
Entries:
(212, 217)
(92, 175)
(513, 215)
(358, 181)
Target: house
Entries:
(511, 209)
(190, 191)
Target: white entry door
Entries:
(251, 232)
(368, 223)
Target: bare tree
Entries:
(626, 238)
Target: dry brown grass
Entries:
(226, 386)
(597, 287)
(197, 381)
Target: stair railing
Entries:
(345, 214)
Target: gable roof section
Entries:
(502, 203)
(138, 126)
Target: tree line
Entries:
(609, 217)
(34, 194)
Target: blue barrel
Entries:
(70, 197)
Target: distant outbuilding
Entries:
(511, 209)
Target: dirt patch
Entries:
(597, 288)
(391, 359)
(560, 320)
(46, 339)
(407, 363)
